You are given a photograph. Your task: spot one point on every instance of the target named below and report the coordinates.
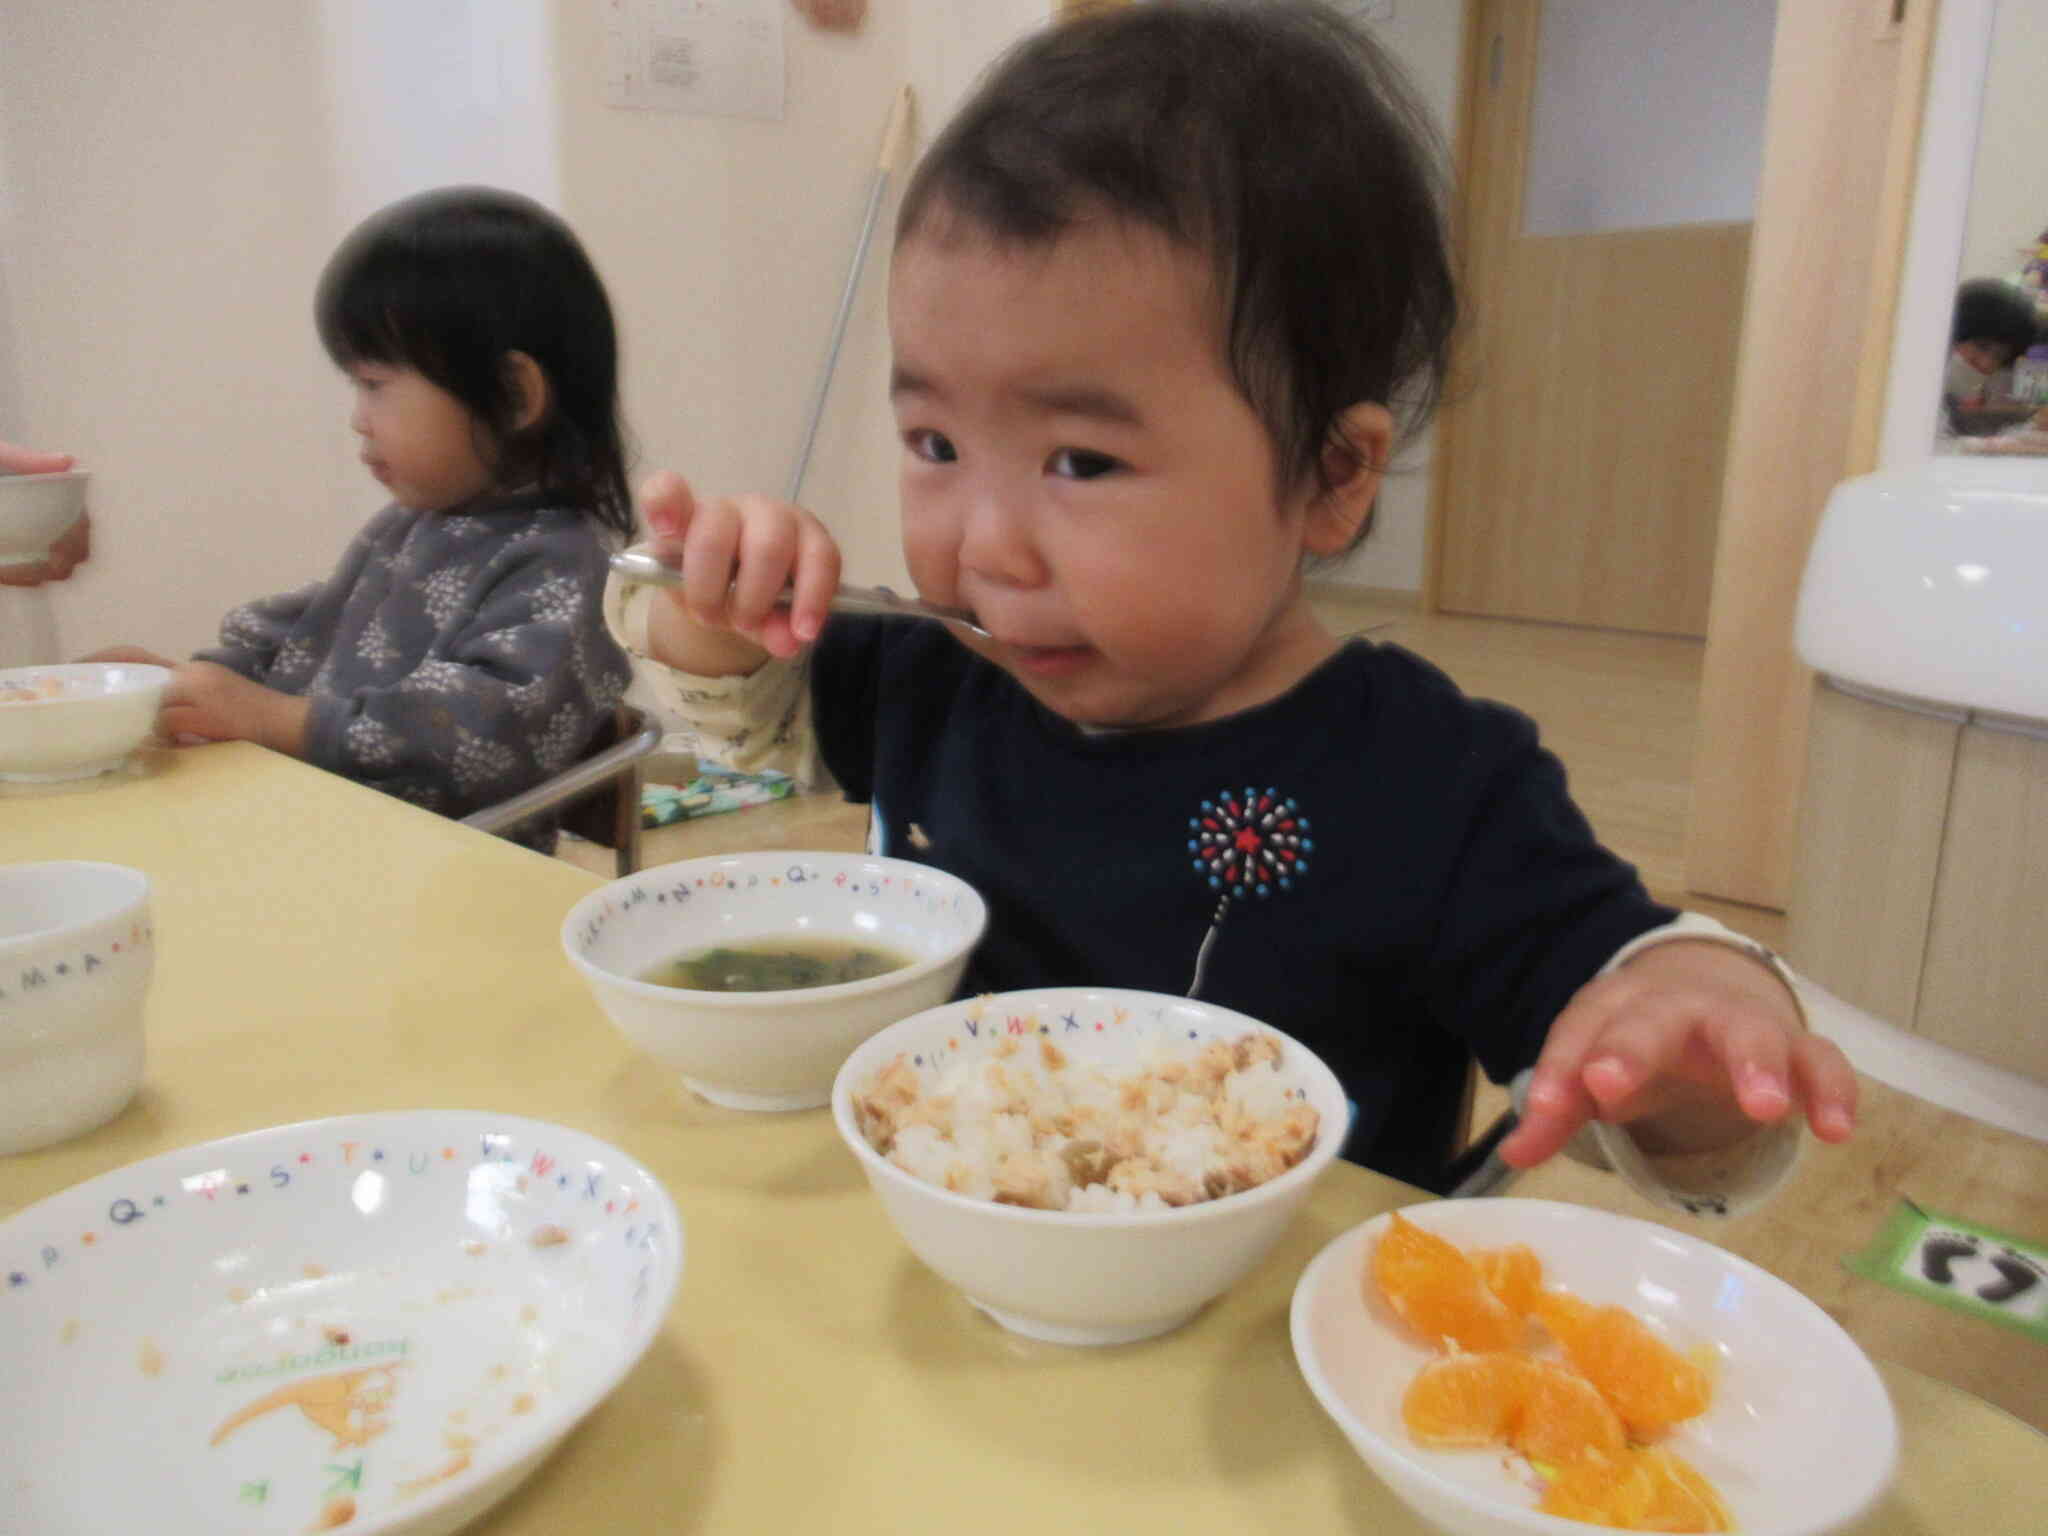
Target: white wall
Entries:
(1425, 35)
(726, 243)
(2009, 188)
(173, 174)
(168, 201)
(1647, 114)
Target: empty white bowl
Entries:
(1085, 1277)
(77, 948)
(377, 1324)
(769, 1050)
(84, 718)
(1800, 1438)
(35, 510)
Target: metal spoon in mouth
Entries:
(639, 565)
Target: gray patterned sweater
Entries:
(453, 658)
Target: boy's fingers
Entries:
(767, 552)
(1828, 1084)
(817, 578)
(709, 554)
(1557, 1103)
(1676, 1037)
(1555, 1109)
(666, 505)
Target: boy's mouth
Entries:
(1049, 660)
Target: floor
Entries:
(1618, 709)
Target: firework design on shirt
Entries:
(1248, 845)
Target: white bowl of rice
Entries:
(1089, 1165)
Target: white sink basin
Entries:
(1931, 583)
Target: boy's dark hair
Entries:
(1280, 142)
(449, 282)
(1993, 311)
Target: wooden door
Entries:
(1582, 445)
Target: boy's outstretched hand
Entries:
(1691, 1044)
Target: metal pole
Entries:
(892, 132)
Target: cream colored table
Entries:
(325, 950)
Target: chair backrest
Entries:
(599, 797)
(609, 813)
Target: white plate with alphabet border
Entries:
(375, 1323)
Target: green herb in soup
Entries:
(776, 965)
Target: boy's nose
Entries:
(996, 542)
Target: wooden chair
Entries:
(599, 797)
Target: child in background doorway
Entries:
(1162, 296)
(1994, 324)
(457, 655)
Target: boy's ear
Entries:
(529, 387)
(1353, 463)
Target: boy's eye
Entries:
(1081, 464)
(932, 447)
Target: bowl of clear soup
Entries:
(752, 976)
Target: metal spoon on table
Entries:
(639, 565)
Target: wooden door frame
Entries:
(1448, 425)
(1845, 106)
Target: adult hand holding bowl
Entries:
(44, 530)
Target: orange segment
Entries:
(1438, 1292)
(1651, 1385)
(1564, 1418)
(1641, 1490)
(1559, 1310)
(1513, 1273)
(1459, 1401)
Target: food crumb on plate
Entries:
(455, 1466)
(32, 690)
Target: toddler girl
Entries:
(1161, 295)
(457, 655)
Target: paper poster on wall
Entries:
(719, 57)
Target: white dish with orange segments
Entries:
(1799, 1438)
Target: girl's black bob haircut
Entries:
(451, 281)
(1277, 140)
(1989, 309)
